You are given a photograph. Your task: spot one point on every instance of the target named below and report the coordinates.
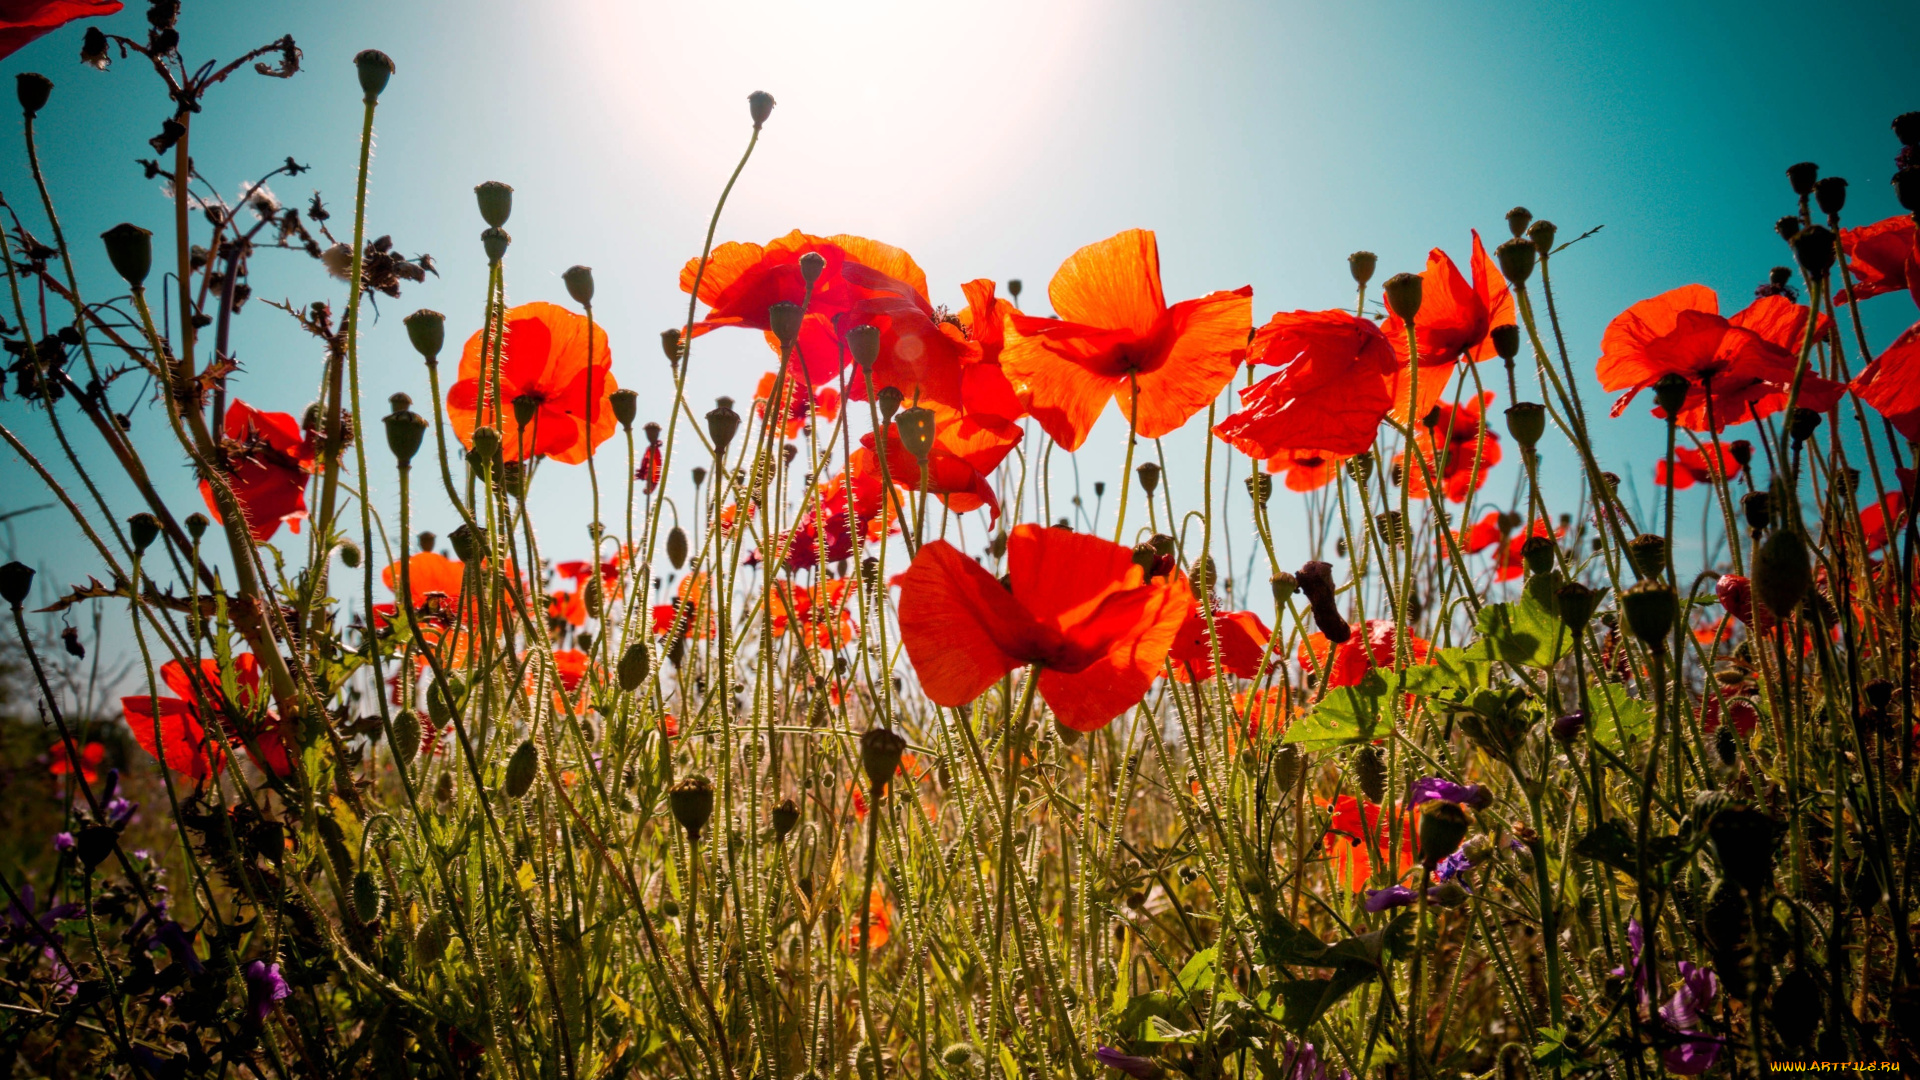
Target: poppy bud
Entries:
(722, 422)
(16, 581)
(1361, 265)
(1568, 727)
(1284, 586)
(670, 344)
(1831, 192)
(406, 737)
(1735, 593)
(1802, 177)
(520, 769)
(1392, 527)
(143, 529)
(1802, 424)
(1648, 554)
(677, 547)
(1781, 574)
(96, 842)
(1442, 826)
(889, 401)
(1670, 393)
(1315, 579)
(880, 752)
(691, 801)
(785, 817)
(1403, 295)
(525, 407)
(34, 89)
(1651, 608)
(1360, 467)
(375, 69)
(759, 106)
(1813, 246)
(197, 525)
(1149, 474)
(496, 202)
(495, 241)
(427, 330)
(1537, 553)
(1260, 488)
(485, 444)
(699, 475)
(1516, 257)
(1518, 219)
(1204, 576)
(405, 430)
(579, 282)
(1369, 772)
(1506, 340)
(368, 900)
(632, 668)
(1526, 422)
(130, 249)
(468, 543)
(626, 405)
(1542, 233)
(350, 554)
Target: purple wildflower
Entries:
(1379, 900)
(64, 984)
(64, 843)
(1137, 1067)
(178, 943)
(1300, 1061)
(119, 811)
(1453, 866)
(22, 925)
(1430, 788)
(264, 988)
(1696, 1052)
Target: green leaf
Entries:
(1307, 1000)
(1159, 1030)
(1348, 714)
(1613, 711)
(1447, 672)
(1198, 974)
(1523, 632)
(1610, 842)
(1286, 942)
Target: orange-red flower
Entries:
(1890, 512)
(1075, 605)
(1891, 384)
(1334, 387)
(1884, 257)
(1117, 340)
(1692, 467)
(1350, 661)
(92, 754)
(1243, 642)
(951, 474)
(828, 513)
(544, 361)
(1306, 470)
(1453, 324)
(268, 459)
(1266, 711)
(1484, 533)
(823, 403)
(434, 583)
(1461, 465)
(820, 613)
(881, 921)
(189, 722)
(23, 21)
(1354, 837)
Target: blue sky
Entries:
(1262, 141)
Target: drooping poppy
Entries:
(1453, 324)
(25, 21)
(1348, 845)
(1467, 449)
(1738, 708)
(1334, 386)
(1883, 257)
(268, 459)
(1350, 664)
(1243, 642)
(190, 721)
(823, 403)
(1075, 605)
(1266, 711)
(1306, 470)
(544, 362)
(92, 754)
(1692, 467)
(820, 613)
(1116, 339)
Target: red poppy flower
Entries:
(1349, 848)
(880, 921)
(1454, 322)
(1243, 642)
(648, 472)
(1334, 386)
(435, 583)
(1510, 562)
(24, 21)
(823, 403)
(1115, 333)
(1692, 467)
(820, 613)
(1463, 460)
(699, 621)
(1891, 384)
(1266, 711)
(1306, 470)
(544, 360)
(571, 665)
(189, 720)
(92, 754)
(829, 511)
(1350, 663)
(1739, 709)
(268, 459)
(1484, 533)
(1884, 257)
(569, 605)
(1075, 605)
(1890, 511)
(951, 474)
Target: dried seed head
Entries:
(1149, 474)
(1506, 340)
(1803, 176)
(1814, 247)
(785, 817)
(626, 407)
(1648, 553)
(1517, 258)
(33, 89)
(375, 68)
(1518, 219)
(722, 423)
(1831, 193)
(130, 249)
(880, 752)
(1543, 233)
(143, 529)
(16, 581)
(1526, 422)
(1577, 602)
(760, 106)
(783, 318)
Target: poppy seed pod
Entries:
(130, 249)
(863, 342)
(1149, 474)
(811, 264)
(652, 431)
(1803, 176)
(1741, 451)
(760, 106)
(1648, 554)
(375, 68)
(1906, 128)
(632, 668)
(1360, 467)
(34, 89)
(427, 330)
(1814, 247)
(1014, 286)
(1831, 193)
(1781, 571)
(1543, 233)
(469, 544)
(626, 406)
(1442, 826)
(1392, 527)
(783, 319)
(1787, 227)
(880, 752)
(496, 202)
(1670, 393)
(889, 401)
(525, 407)
(691, 801)
(485, 444)
(1802, 424)
(1526, 422)
(1315, 579)
(405, 430)
(1369, 772)
(1361, 265)
(670, 344)
(579, 283)
(1517, 258)
(1577, 602)
(786, 817)
(699, 475)
(197, 525)
(1757, 507)
(915, 426)
(677, 547)
(722, 423)
(1506, 340)
(143, 529)
(1404, 294)
(1284, 586)
(16, 581)
(1518, 219)
(494, 241)
(1537, 553)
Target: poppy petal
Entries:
(959, 625)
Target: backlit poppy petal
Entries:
(956, 620)
(1209, 341)
(1891, 384)
(1114, 284)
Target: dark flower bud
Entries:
(1518, 219)
(197, 525)
(691, 801)
(1543, 234)
(520, 769)
(1538, 554)
(1802, 177)
(1670, 393)
(34, 89)
(1506, 340)
(1360, 467)
(1567, 728)
(1743, 838)
(406, 737)
(469, 544)
(699, 475)
(350, 554)
(1577, 602)
(405, 430)
(652, 431)
(1361, 265)
(1802, 424)
(579, 283)
(759, 106)
(1741, 451)
(369, 901)
(722, 422)
(375, 69)
(1260, 488)
(93, 49)
(1648, 554)
(525, 408)
(1392, 527)
(785, 817)
(889, 401)
(427, 330)
(811, 264)
(496, 202)
(670, 344)
(1781, 572)
(1526, 422)
(677, 547)
(1442, 826)
(1369, 772)
(494, 241)
(1813, 246)
(130, 249)
(1516, 257)
(1831, 193)
(1316, 581)
(1014, 286)
(1906, 128)
(16, 581)
(1403, 295)
(880, 752)
(1284, 586)
(1757, 507)
(1149, 474)
(783, 319)
(96, 843)
(626, 406)
(863, 342)
(1879, 693)
(485, 444)
(1651, 608)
